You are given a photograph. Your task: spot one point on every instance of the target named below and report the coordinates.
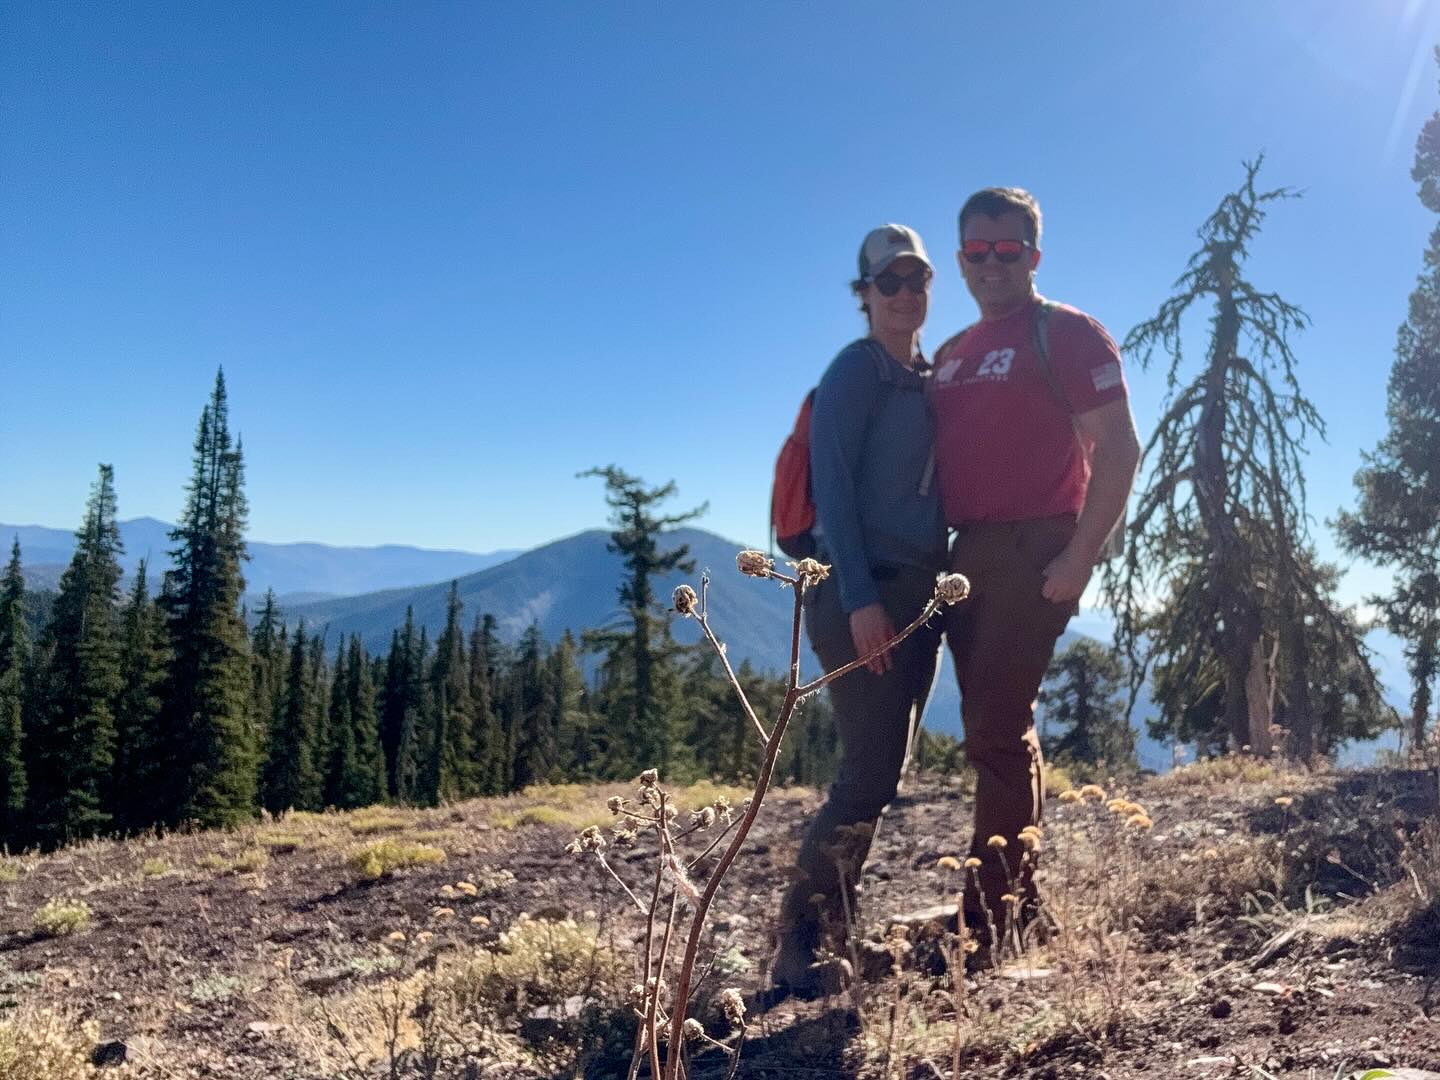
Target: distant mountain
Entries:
(316, 569)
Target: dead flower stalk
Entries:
(672, 1026)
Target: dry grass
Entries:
(41, 1044)
(59, 917)
(1229, 769)
(384, 857)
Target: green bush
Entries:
(374, 861)
(57, 918)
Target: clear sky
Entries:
(451, 254)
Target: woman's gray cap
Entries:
(884, 245)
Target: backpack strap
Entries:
(1040, 331)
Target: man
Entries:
(1035, 452)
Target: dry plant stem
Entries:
(713, 845)
(619, 881)
(825, 680)
(712, 885)
(647, 1027)
(734, 682)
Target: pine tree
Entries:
(1081, 695)
(291, 779)
(14, 668)
(208, 728)
(486, 738)
(1219, 549)
(453, 766)
(415, 721)
(139, 754)
(339, 734)
(645, 671)
(1397, 523)
(72, 749)
(364, 781)
(534, 721)
(566, 699)
(268, 654)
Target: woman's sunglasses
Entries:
(889, 282)
(1006, 251)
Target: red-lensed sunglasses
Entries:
(1006, 251)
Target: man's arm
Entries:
(1115, 454)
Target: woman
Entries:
(881, 530)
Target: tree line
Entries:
(122, 713)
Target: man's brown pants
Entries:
(1002, 639)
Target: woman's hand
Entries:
(870, 627)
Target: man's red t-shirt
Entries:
(1005, 447)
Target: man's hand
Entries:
(870, 628)
(1065, 577)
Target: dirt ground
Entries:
(1262, 924)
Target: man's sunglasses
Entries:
(889, 282)
(1006, 251)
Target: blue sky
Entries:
(450, 255)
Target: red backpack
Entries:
(792, 508)
(792, 505)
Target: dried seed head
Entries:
(972, 863)
(623, 836)
(722, 809)
(590, 839)
(1030, 840)
(1009, 898)
(693, 1030)
(952, 588)
(615, 804)
(971, 945)
(704, 817)
(732, 1005)
(812, 570)
(1284, 801)
(997, 842)
(1070, 796)
(947, 862)
(442, 913)
(649, 778)
(1030, 829)
(753, 563)
(1139, 821)
(1211, 853)
(685, 599)
(1093, 791)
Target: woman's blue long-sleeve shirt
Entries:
(871, 438)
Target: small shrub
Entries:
(155, 868)
(9, 871)
(248, 861)
(216, 987)
(374, 861)
(535, 962)
(1220, 770)
(40, 1044)
(212, 861)
(56, 918)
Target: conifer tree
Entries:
(1081, 695)
(364, 780)
(644, 676)
(291, 779)
(268, 654)
(533, 723)
(1219, 549)
(566, 700)
(415, 720)
(139, 753)
(392, 703)
(14, 669)
(72, 748)
(339, 733)
(1397, 523)
(453, 765)
(209, 731)
(486, 738)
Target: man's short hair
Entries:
(994, 201)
